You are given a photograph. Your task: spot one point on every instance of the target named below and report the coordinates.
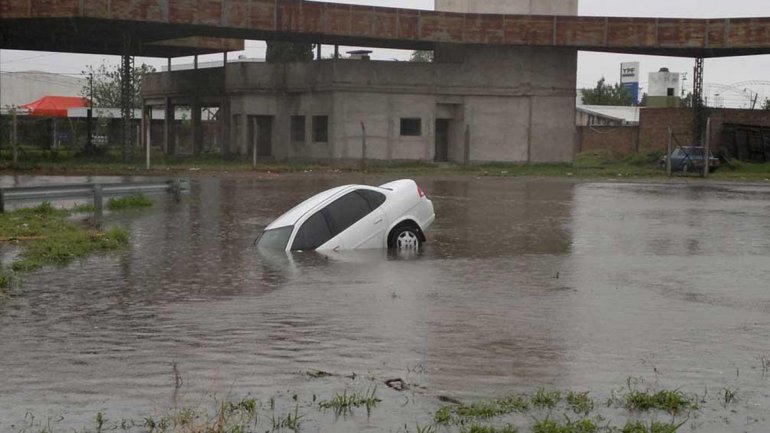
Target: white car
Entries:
(394, 215)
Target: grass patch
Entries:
(546, 399)
(459, 414)
(47, 237)
(477, 428)
(653, 427)
(580, 426)
(343, 404)
(673, 402)
(580, 403)
(129, 202)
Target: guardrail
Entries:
(88, 190)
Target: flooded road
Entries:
(524, 283)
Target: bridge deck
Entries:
(99, 25)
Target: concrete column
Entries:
(169, 136)
(224, 113)
(197, 127)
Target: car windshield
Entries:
(275, 239)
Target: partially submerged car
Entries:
(689, 158)
(394, 215)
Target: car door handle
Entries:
(378, 221)
(336, 249)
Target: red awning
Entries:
(55, 106)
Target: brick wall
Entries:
(616, 140)
(654, 123)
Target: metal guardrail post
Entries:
(98, 204)
(176, 189)
(2, 201)
(668, 150)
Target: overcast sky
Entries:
(591, 67)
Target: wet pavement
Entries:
(524, 283)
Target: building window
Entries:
(411, 127)
(320, 129)
(670, 91)
(298, 128)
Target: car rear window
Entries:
(313, 233)
(374, 198)
(275, 239)
(347, 210)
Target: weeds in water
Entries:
(318, 374)
(481, 410)
(653, 427)
(343, 404)
(729, 396)
(580, 403)
(580, 426)
(291, 420)
(100, 421)
(129, 202)
(546, 399)
(673, 402)
(430, 428)
(6, 279)
(477, 428)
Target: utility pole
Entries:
(697, 101)
(90, 116)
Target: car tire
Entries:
(405, 238)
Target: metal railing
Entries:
(97, 191)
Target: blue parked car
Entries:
(689, 158)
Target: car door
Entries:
(357, 221)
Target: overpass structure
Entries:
(99, 26)
(501, 66)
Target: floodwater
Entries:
(524, 283)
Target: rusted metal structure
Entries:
(98, 26)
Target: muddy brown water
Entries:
(524, 283)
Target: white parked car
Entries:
(394, 215)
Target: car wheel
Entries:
(405, 238)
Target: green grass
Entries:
(653, 427)
(129, 202)
(48, 238)
(459, 414)
(546, 399)
(586, 165)
(343, 404)
(569, 426)
(477, 428)
(580, 403)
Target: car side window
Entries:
(346, 211)
(313, 233)
(374, 198)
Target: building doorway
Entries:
(442, 140)
(263, 125)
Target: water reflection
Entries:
(523, 283)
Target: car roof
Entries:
(291, 217)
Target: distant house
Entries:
(606, 115)
(18, 88)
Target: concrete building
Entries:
(473, 104)
(664, 89)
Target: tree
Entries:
(106, 85)
(284, 52)
(766, 105)
(605, 94)
(422, 56)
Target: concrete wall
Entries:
(513, 7)
(619, 141)
(654, 124)
(517, 104)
